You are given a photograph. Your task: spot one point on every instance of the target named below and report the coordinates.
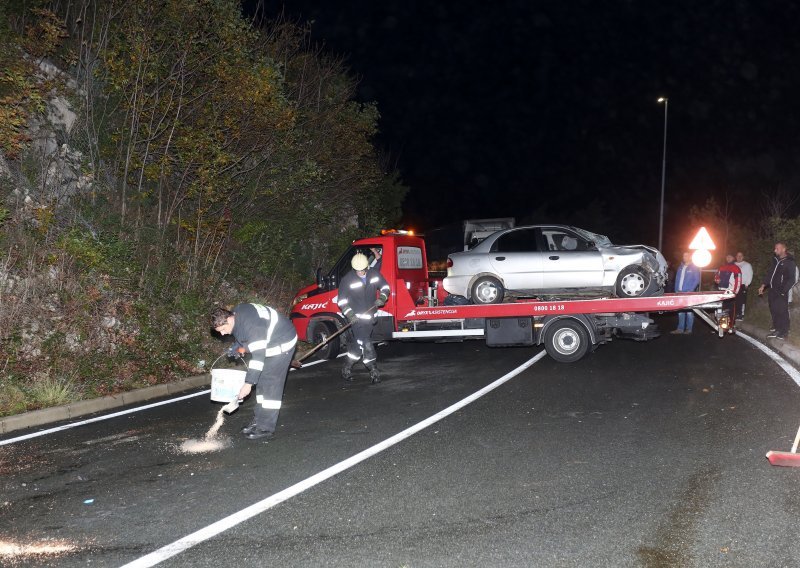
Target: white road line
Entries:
(121, 413)
(100, 418)
(791, 371)
(231, 521)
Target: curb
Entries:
(788, 351)
(84, 407)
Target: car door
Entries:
(516, 258)
(570, 261)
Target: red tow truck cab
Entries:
(404, 264)
(418, 309)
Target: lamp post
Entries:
(664, 100)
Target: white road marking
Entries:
(100, 418)
(791, 371)
(121, 413)
(256, 509)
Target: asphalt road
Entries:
(640, 455)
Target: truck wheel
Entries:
(487, 290)
(632, 282)
(566, 341)
(321, 331)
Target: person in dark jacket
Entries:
(687, 279)
(361, 292)
(270, 338)
(780, 278)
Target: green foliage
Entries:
(105, 252)
(229, 163)
(21, 94)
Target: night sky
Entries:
(547, 112)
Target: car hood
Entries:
(662, 262)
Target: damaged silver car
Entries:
(550, 261)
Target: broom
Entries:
(298, 363)
(786, 459)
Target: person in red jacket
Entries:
(729, 277)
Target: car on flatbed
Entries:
(553, 261)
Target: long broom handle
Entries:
(796, 441)
(331, 336)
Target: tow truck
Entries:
(419, 309)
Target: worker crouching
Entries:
(361, 292)
(270, 338)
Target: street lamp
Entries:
(664, 100)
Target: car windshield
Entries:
(598, 240)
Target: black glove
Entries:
(379, 303)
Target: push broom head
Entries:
(785, 459)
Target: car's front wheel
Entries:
(633, 282)
(487, 290)
(320, 333)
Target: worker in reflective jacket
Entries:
(270, 338)
(361, 292)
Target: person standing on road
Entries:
(270, 338)
(729, 279)
(687, 279)
(747, 279)
(780, 278)
(361, 292)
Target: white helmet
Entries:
(359, 262)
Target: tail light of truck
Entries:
(449, 262)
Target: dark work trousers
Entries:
(269, 390)
(779, 309)
(360, 345)
(741, 298)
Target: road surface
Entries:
(645, 455)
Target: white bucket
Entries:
(226, 383)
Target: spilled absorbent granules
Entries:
(210, 442)
(16, 552)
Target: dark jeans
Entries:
(779, 309)
(741, 298)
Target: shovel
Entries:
(298, 363)
(786, 459)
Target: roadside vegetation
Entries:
(159, 158)
(156, 159)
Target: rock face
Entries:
(64, 168)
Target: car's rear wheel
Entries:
(633, 282)
(487, 290)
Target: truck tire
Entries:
(566, 341)
(320, 332)
(487, 290)
(633, 282)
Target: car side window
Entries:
(522, 240)
(558, 240)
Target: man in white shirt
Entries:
(747, 278)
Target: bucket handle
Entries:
(223, 354)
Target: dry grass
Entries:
(48, 390)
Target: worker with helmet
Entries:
(361, 292)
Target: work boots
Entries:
(374, 375)
(347, 373)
